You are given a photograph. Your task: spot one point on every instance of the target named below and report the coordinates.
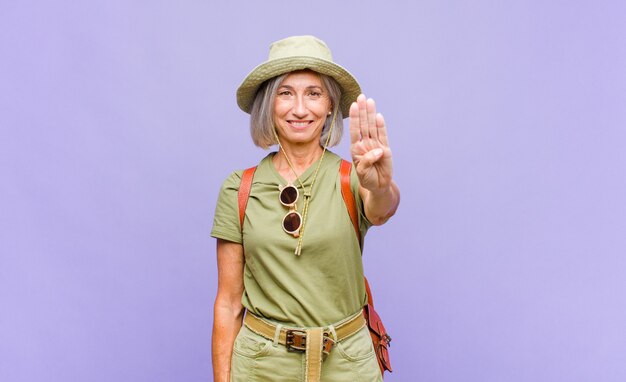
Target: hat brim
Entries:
(350, 88)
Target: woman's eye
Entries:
(284, 93)
(315, 94)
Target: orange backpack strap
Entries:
(348, 196)
(244, 193)
(350, 202)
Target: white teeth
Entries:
(299, 124)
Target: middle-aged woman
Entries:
(291, 256)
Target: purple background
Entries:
(118, 123)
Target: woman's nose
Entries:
(299, 107)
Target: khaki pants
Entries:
(256, 358)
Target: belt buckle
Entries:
(295, 341)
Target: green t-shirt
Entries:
(325, 283)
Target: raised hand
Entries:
(369, 147)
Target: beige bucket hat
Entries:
(297, 53)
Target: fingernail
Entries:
(378, 152)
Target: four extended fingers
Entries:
(365, 122)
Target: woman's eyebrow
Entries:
(308, 87)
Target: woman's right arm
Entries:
(228, 310)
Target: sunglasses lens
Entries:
(291, 222)
(289, 195)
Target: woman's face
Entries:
(301, 107)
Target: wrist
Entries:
(382, 192)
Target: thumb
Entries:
(371, 157)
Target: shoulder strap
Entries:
(350, 202)
(348, 196)
(244, 192)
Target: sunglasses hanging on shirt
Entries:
(292, 221)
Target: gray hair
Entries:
(262, 113)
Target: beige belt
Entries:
(314, 342)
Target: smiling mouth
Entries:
(300, 124)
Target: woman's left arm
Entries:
(372, 159)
